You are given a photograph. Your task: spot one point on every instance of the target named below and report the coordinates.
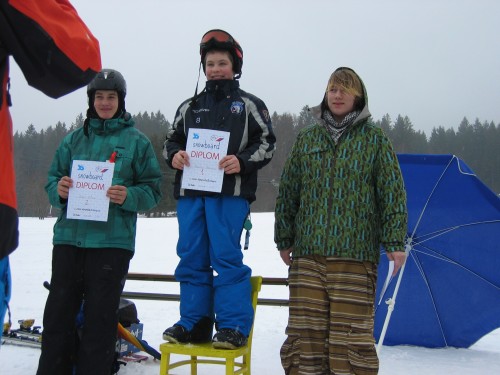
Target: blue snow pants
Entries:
(5, 287)
(213, 279)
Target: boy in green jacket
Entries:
(341, 196)
(90, 258)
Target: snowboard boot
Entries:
(201, 332)
(227, 338)
(176, 334)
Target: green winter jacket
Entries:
(342, 199)
(136, 167)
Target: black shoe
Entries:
(176, 334)
(227, 338)
(201, 332)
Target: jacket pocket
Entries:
(124, 172)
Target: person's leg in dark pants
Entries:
(105, 273)
(61, 308)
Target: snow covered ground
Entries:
(156, 239)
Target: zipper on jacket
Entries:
(330, 196)
(330, 205)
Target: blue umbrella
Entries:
(448, 293)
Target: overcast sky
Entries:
(434, 61)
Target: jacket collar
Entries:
(100, 127)
(225, 85)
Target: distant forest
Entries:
(476, 143)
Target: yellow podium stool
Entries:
(226, 357)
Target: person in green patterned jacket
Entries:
(90, 259)
(341, 196)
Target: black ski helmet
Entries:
(108, 79)
(220, 39)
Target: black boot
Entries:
(201, 332)
(227, 338)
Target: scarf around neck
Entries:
(335, 128)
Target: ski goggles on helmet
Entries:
(216, 37)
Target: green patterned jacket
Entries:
(342, 199)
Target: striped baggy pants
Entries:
(331, 317)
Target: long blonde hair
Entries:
(348, 81)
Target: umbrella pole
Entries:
(391, 302)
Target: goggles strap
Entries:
(195, 96)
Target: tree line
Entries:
(476, 143)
